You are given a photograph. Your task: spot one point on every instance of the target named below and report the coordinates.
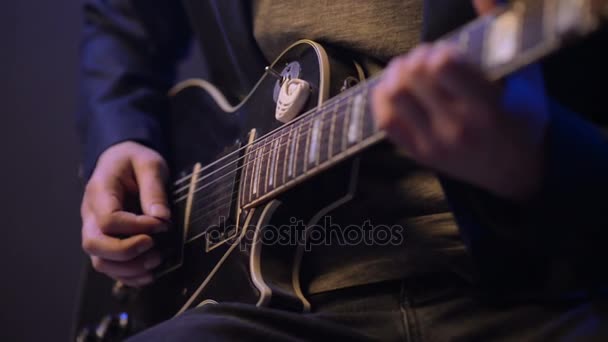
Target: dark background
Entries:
(40, 255)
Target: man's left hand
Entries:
(448, 116)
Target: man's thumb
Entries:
(151, 176)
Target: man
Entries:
(509, 158)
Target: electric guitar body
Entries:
(219, 251)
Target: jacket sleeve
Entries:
(558, 241)
(129, 54)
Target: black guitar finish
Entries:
(216, 261)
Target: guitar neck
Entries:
(499, 44)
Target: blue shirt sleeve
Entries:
(129, 54)
(561, 233)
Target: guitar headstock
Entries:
(575, 17)
(524, 31)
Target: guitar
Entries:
(241, 170)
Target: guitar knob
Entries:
(103, 328)
(123, 322)
(113, 328)
(87, 334)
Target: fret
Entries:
(266, 153)
(340, 118)
(246, 180)
(277, 160)
(347, 119)
(315, 136)
(463, 40)
(325, 138)
(258, 166)
(281, 158)
(293, 150)
(286, 162)
(252, 163)
(550, 14)
(302, 148)
(272, 169)
(362, 109)
(254, 153)
(534, 25)
(309, 129)
(332, 130)
(369, 124)
(503, 39)
(354, 128)
(475, 34)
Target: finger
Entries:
(104, 194)
(458, 79)
(97, 244)
(387, 120)
(151, 175)
(103, 207)
(138, 267)
(400, 96)
(393, 91)
(123, 223)
(422, 74)
(409, 130)
(137, 282)
(397, 130)
(484, 7)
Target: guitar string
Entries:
(345, 95)
(261, 145)
(363, 86)
(212, 198)
(263, 154)
(208, 210)
(228, 183)
(211, 213)
(260, 153)
(263, 142)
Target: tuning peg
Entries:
(112, 328)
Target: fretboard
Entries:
(499, 44)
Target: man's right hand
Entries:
(118, 241)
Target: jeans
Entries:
(430, 308)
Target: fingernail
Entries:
(160, 211)
(152, 262)
(144, 247)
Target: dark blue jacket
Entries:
(129, 56)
